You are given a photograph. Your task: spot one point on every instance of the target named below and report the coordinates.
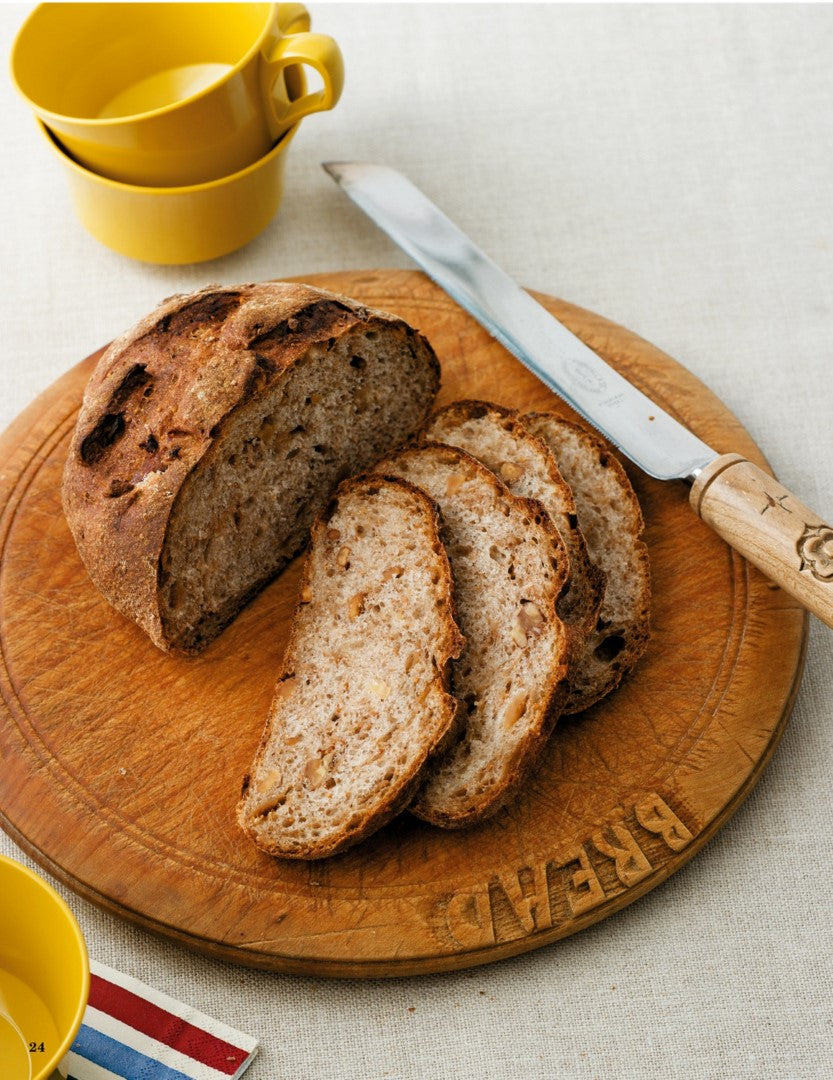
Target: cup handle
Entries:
(318, 51)
(293, 18)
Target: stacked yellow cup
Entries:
(173, 120)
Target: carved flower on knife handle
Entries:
(815, 549)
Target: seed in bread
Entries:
(214, 432)
(497, 437)
(509, 566)
(363, 700)
(611, 520)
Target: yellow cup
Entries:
(44, 972)
(172, 94)
(177, 224)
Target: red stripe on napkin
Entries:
(163, 1026)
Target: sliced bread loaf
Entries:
(611, 520)
(362, 702)
(215, 431)
(509, 566)
(497, 437)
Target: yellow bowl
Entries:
(174, 225)
(44, 968)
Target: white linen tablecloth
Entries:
(670, 167)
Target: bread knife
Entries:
(744, 505)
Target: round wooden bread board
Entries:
(122, 766)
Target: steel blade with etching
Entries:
(751, 511)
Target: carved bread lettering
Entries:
(546, 896)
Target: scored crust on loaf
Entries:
(363, 699)
(497, 437)
(509, 567)
(611, 519)
(214, 432)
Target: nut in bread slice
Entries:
(509, 566)
(611, 520)
(362, 703)
(214, 432)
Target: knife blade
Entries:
(746, 506)
(651, 438)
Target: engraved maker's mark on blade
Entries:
(583, 375)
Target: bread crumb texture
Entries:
(611, 520)
(363, 702)
(509, 566)
(497, 437)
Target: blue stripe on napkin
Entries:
(121, 1059)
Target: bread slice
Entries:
(611, 520)
(362, 702)
(214, 432)
(497, 437)
(509, 567)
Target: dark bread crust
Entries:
(156, 408)
(446, 646)
(600, 674)
(554, 692)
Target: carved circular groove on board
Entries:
(122, 765)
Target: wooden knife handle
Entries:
(770, 527)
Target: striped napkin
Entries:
(133, 1032)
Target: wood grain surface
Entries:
(120, 766)
(770, 527)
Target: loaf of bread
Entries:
(497, 437)
(611, 520)
(509, 567)
(214, 432)
(362, 702)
